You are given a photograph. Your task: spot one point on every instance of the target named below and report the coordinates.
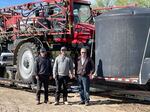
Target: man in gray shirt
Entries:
(62, 69)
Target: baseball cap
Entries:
(63, 48)
(43, 50)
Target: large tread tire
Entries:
(25, 62)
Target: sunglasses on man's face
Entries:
(63, 50)
(42, 52)
(83, 52)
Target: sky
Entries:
(5, 3)
(92, 1)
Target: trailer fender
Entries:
(145, 72)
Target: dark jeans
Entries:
(61, 81)
(42, 80)
(84, 86)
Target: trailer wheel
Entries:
(8, 75)
(25, 61)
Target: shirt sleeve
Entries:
(55, 68)
(71, 66)
(50, 68)
(92, 66)
(36, 68)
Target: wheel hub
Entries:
(26, 64)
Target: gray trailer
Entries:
(122, 50)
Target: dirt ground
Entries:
(12, 100)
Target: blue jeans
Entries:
(84, 86)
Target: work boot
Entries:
(86, 103)
(81, 103)
(66, 103)
(45, 101)
(38, 102)
(56, 103)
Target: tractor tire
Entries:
(26, 62)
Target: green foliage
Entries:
(140, 3)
